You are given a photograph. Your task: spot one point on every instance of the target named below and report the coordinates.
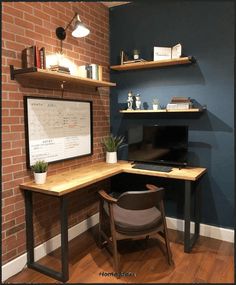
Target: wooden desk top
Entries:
(69, 181)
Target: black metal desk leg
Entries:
(64, 239)
(187, 216)
(188, 240)
(29, 227)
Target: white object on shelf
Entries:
(111, 157)
(40, 178)
(178, 106)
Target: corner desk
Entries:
(59, 185)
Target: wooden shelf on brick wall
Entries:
(154, 64)
(46, 79)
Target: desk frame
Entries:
(31, 263)
(191, 186)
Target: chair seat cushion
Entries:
(135, 221)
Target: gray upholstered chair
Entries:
(135, 214)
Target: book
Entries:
(37, 57)
(162, 53)
(28, 57)
(134, 61)
(59, 68)
(180, 100)
(42, 58)
(178, 106)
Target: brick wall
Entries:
(25, 24)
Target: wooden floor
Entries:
(211, 261)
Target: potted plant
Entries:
(155, 104)
(111, 144)
(40, 171)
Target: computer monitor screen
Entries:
(158, 144)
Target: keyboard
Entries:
(153, 167)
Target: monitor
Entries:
(158, 144)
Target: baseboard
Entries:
(205, 230)
(16, 265)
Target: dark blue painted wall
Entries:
(206, 31)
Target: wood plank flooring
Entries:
(211, 261)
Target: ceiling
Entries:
(110, 4)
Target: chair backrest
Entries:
(140, 200)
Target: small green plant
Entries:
(112, 143)
(155, 101)
(40, 166)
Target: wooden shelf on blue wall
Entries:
(193, 110)
(154, 64)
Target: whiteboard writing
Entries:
(57, 129)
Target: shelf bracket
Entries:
(14, 72)
(192, 59)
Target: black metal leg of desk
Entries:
(64, 274)
(64, 239)
(188, 240)
(29, 227)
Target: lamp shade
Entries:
(80, 30)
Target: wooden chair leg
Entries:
(170, 261)
(100, 242)
(169, 254)
(115, 255)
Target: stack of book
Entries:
(179, 103)
(59, 68)
(33, 57)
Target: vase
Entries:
(40, 178)
(155, 106)
(111, 157)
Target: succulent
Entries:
(40, 166)
(112, 143)
(155, 101)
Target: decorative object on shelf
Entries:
(179, 103)
(79, 29)
(136, 54)
(111, 145)
(155, 104)
(123, 57)
(163, 53)
(130, 101)
(138, 102)
(40, 171)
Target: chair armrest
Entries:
(152, 187)
(107, 197)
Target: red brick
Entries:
(47, 17)
(12, 11)
(24, 7)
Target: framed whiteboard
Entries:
(57, 129)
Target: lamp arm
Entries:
(71, 21)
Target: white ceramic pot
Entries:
(111, 157)
(40, 178)
(155, 106)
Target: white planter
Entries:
(111, 157)
(155, 106)
(40, 178)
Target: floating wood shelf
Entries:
(193, 110)
(42, 78)
(152, 64)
